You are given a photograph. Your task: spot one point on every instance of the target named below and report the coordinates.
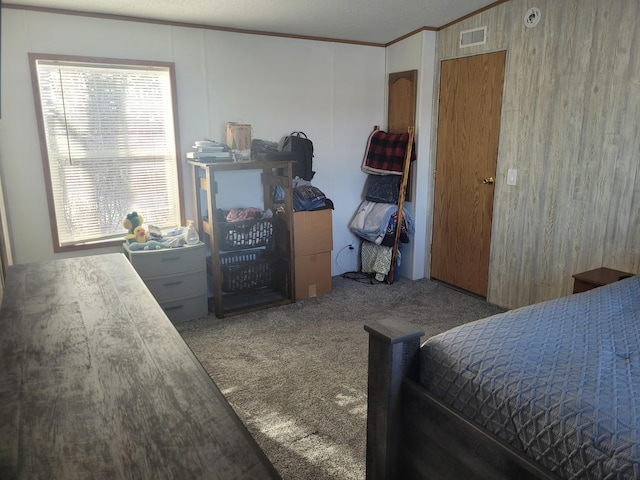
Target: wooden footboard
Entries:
(393, 354)
(411, 434)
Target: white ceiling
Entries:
(369, 21)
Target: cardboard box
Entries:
(312, 232)
(313, 275)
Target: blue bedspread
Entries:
(559, 380)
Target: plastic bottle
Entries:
(192, 234)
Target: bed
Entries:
(547, 391)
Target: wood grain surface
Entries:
(96, 383)
(468, 136)
(570, 128)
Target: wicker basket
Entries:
(245, 234)
(247, 270)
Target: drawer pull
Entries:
(176, 307)
(171, 284)
(170, 259)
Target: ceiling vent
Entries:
(477, 36)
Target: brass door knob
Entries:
(489, 181)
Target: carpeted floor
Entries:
(297, 375)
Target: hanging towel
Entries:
(377, 259)
(385, 153)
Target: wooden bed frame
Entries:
(413, 435)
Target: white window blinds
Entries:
(111, 147)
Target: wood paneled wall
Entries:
(570, 126)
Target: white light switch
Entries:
(512, 176)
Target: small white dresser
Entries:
(177, 278)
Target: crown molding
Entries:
(127, 18)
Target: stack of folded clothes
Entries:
(306, 197)
(376, 223)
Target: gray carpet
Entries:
(297, 375)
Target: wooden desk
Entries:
(96, 383)
(596, 278)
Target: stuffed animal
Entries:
(140, 235)
(150, 245)
(138, 241)
(132, 221)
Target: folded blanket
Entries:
(383, 188)
(385, 153)
(308, 197)
(372, 219)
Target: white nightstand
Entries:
(177, 278)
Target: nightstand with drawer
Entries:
(598, 277)
(176, 277)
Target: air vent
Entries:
(477, 36)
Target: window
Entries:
(109, 146)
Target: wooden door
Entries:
(401, 112)
(401, 109)
(466, 157)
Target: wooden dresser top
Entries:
(95, 382)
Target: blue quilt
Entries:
(559, 380)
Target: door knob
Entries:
(489, 181)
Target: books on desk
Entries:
(210, 151)
(220, 156)
(218, 148)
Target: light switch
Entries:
(512, 176)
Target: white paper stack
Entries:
(210, 151)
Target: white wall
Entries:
(333, 92)
(418, 53)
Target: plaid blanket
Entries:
(385, 153)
